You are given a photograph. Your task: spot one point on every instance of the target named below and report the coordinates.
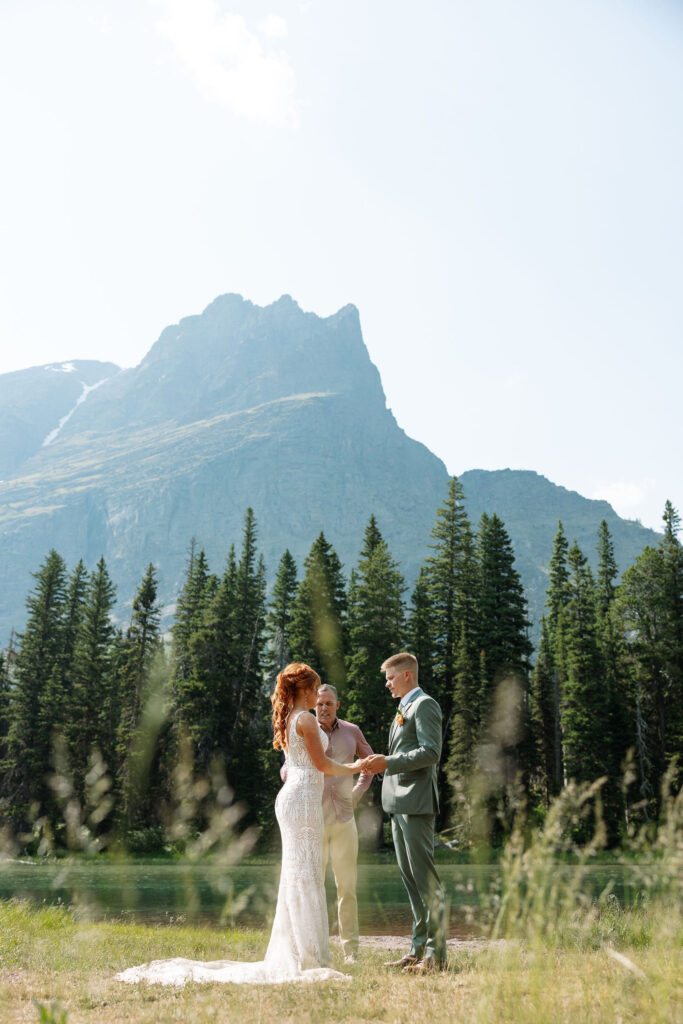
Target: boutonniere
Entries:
(399, 718)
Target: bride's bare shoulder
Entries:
(306, 724)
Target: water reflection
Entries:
(164, 892)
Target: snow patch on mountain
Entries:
(62, 368)
(87, 388)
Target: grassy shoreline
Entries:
(627, 966)
(562, 953)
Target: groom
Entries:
(410, 796)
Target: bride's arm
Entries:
(307, 727)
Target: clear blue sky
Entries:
(495, 185)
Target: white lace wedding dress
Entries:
(299, 948)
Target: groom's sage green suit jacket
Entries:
(410, 779)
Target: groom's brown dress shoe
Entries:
(406, 961)
(428, 965)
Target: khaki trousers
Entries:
(340, 845)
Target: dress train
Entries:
(299, 948)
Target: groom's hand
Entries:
(374, 764)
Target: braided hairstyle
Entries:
(290, 681)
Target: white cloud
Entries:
(625, 496)
(274, 26)
(228, 61)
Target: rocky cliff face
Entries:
(36, 404)
(269, 407)
(274, 408)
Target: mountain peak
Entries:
(236, 355)
(271, 407)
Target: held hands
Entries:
(374, 764)
(371, 765)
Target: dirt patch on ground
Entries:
(402, 943)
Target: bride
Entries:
(298, 949)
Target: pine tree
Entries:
(419, 630)
(618, 731)
(318, 633)
(501, 607)
(607, 570)
(251, 595)
(142, 714)
(376, 630)
(5, 697)
(245, 724)
(58, 691)
(205, 704)
(647, 608)
(450, 578)
(462, 729)
(544, 700)
(198, 590)
(94, 709)
(222, 702)
(584, 701)
(548, 681)
(504, 726)
(279, 617)
(558, 589)
(29, 737)
(639, 609)
(672, 554)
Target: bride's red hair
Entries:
(293, 678)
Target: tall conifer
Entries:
(462, 728)
(376, 631)
(141, 697)
(585, 702)
(4, 715)
(205, 700)
(318, 624)
(222, 702)
(501, 607)
(618, 732)
(607, 570)
(504, 733)
(198, 589)
(29, 739)
(94, 705)
(544, 705)
(548, 680)
(279, 617)
(647, 607)
(672, 554)
(449, 575)
(419, 630)
(558, 588)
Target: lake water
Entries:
(172, 891)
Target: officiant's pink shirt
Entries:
(340, 795)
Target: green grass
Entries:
(555, 954)
(49, 958)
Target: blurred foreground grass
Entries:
(555, 953)
(626, 965)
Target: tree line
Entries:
(99, 723)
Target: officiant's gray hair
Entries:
(331, 688)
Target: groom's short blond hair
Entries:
(402, 662)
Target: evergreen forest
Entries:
(114, 736)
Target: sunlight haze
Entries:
(495, 186)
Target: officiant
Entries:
(340, 799)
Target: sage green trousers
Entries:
(414, 843)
